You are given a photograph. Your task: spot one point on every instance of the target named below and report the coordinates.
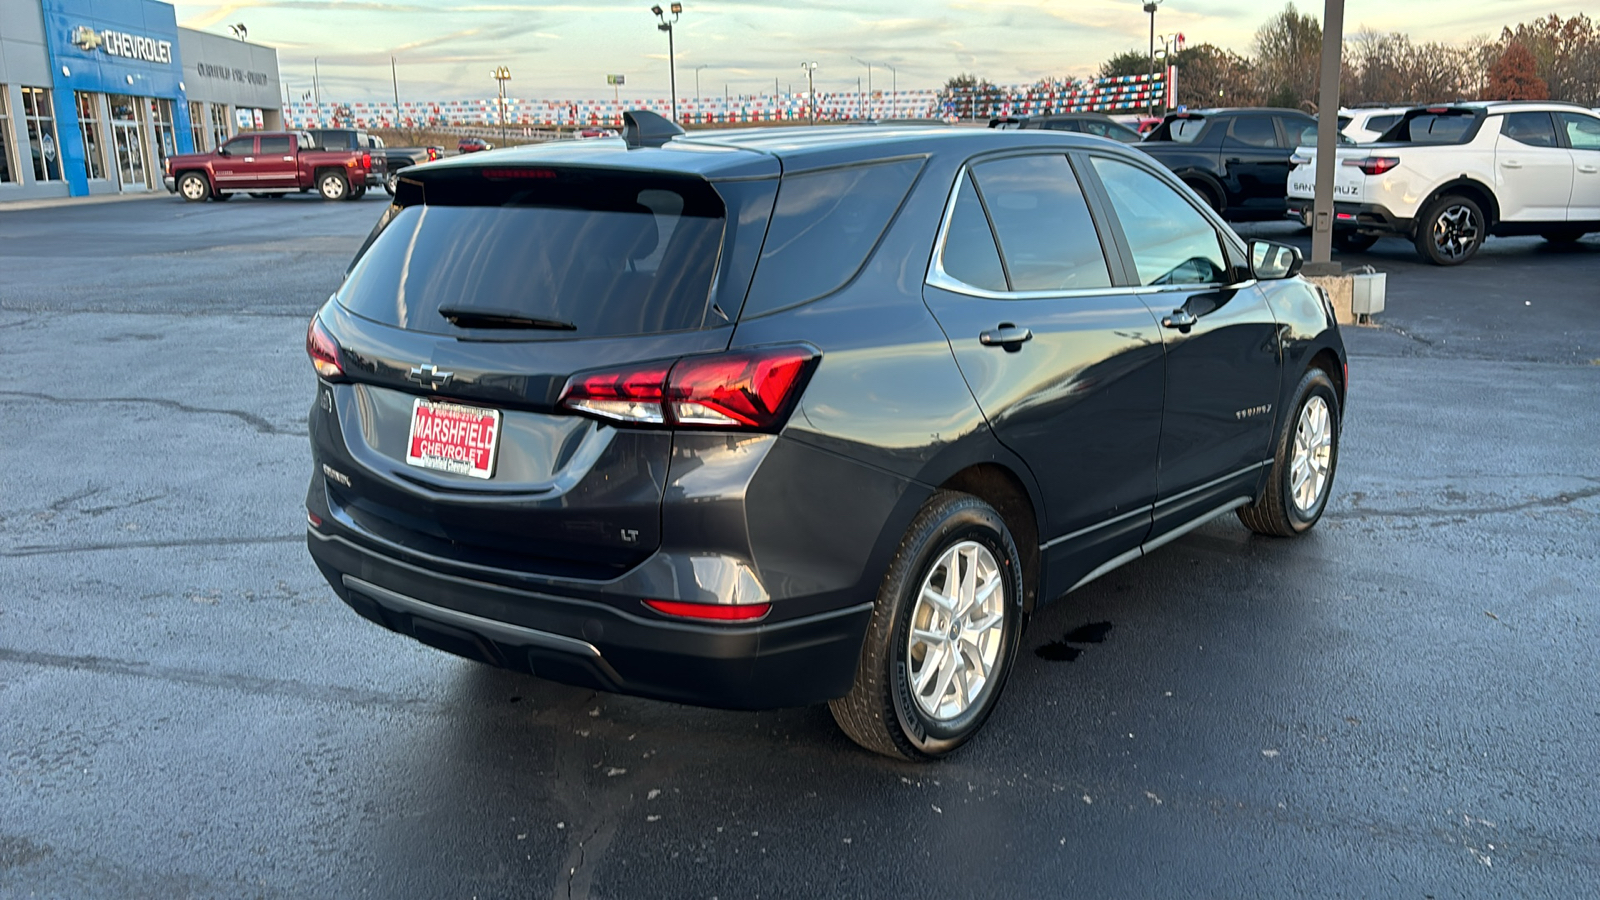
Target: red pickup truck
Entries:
(269, 164)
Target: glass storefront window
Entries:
(127, 141)
(166, 132)
(220, 132)
(40, 118)
(8, 175)
(94, 152)
(197, 125)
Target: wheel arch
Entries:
(1204, 183)
(1329, 362)
(1003, 489)
(1472, 189)
(178, 176)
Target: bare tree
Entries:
(1288, 55)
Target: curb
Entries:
(53, 202)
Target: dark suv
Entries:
(776, 417)
(1237, 160)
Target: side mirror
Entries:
(1271, 261)
(223, 151)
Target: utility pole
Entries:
(894, 90)
(1327, 141)
(316, 87)
(395, 78)
(811, 89)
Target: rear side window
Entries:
(275, 146)
(1381, 124)
(1172, 242)
(578, 255)
(824, 225)
(1047, 239)
(1532, 128)
(1431, 128)
(1254, 131)
(969, 254)
(1184, 131)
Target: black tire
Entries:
(1209, 194)
(193, 187)
(221, 197)
(1563, 235)
(1353, 241)
(1277, 512)
(1450, 230)
(333, 186)
(881, 712)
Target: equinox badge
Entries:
(430, 377)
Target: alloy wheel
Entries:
(193, 189)
(1456, 231)
(956, 630)
(1313, 454)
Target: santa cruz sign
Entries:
(119, 43)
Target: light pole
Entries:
(869, 81)
(394, 77)
(1150, 7)
(672, 60)
(502, 75)
(811, 89)
(894, 89)
(697, 82)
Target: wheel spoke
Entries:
(947, 673)
(971, 651)
(930, 667)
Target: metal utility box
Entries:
(1367, 293)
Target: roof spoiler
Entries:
(643, 128)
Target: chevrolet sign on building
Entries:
(120, 43)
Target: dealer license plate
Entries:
(453, 438)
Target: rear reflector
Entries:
(752, 390)
(712, 611)
(314, 520)
(323, 351)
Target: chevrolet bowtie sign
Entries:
(117, 43)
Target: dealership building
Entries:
(96, 94)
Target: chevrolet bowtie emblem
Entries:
(86, 38)
(430, 377)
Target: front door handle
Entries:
(1181, 319)
(1007, 335)
(1589, 170)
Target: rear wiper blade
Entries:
(488, 317)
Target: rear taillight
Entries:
(752, 390)
(366, 160)
(433, 154)
(323, 351)
(713, 611)
(1374, 165)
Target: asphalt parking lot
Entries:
(1403, 704)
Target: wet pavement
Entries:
(1404, 703)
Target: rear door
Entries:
(1221, 340)
(275, 161)
(1065, 362)
(235, 170)
(1256, 164)
(477, 306)
(1535, 173)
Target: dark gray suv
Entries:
(777, 417)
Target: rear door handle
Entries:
(1007, 335)
(1181, 319)
(1510, 164)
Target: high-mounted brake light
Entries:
(714, 611)
(323, 351)
(1374, 165)
(519, 173)
(745, 390)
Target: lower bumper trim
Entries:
(500, 631)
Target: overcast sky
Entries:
(446, 49)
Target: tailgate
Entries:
(1349, 184)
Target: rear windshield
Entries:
(1431, 128)
(578, 256)
(1184, 130)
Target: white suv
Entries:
(1366, 124)
(1451, 175)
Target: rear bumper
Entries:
(598, 645)
(1366, 218)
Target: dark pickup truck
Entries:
(268, 164)
(398, 159)
(1237, 160)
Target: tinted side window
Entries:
(243, 146)
(1532, 128)
(823, 226)
(1381, 124)
(1172, 242)
(1254, 131)
(969, 254)
(1583, 132)
(1047, 239)
(275, 146)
